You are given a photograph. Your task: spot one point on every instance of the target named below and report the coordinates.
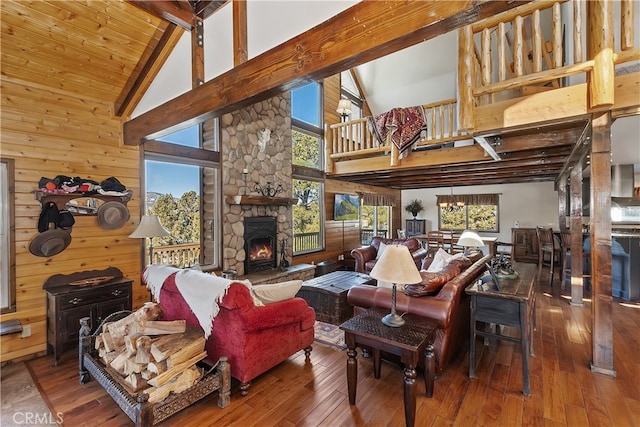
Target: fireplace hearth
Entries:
(260, 244)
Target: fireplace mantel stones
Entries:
(295, 272)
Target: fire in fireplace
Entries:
(260, 242)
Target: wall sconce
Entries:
(344, 108)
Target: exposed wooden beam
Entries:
(197, 53)
(240, 44)
(180, 13)
(146, 70)
(206, 8)
(366, 31)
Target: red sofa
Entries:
(450, 307)
(254, 339)
(366, 256)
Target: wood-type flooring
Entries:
(564, 391)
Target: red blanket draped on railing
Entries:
(403, 124)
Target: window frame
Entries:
(466, 214)
(168, 152)
(9, 241)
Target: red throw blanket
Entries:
(403, 124)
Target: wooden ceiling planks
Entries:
(89, 49)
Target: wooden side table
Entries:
(409, 342)
(513, 305)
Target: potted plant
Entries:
(414, 207)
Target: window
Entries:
(479, 212)
(7, 230)
(181, 183)
(374, 221)
(308, 160)
(349, 90)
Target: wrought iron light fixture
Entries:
(450, 202)
(268, 190)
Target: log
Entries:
(168, 345)
(135, 381)
(118, 363)
(120, 328)
(158, 327)
(143, 349)
(157, 367)
(130, 344)
(186, 352)
(98, 342)
(109, 345)
(107, 358)
(131, 367)
(147, 374)
(180, 383)
(166, 376)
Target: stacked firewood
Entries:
(152, 356)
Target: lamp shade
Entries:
(149, 226)
(470, 239)
(396, 265)
(344, 107)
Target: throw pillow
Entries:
(440, 260)
(275, 292)
(381, 249)
(432, 282)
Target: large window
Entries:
(7, 227)
(468, 212)
(181, 187)
(374, 221)
(308, 161)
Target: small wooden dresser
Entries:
(67, 303)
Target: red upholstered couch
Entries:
(450, 307)
(366, 256)
(254, 339)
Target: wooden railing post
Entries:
(466, 102)
(626, 25)
(600, 49)
(328, 149)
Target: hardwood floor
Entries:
(564, 392)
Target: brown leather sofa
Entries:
(366, 256)
(450, 307)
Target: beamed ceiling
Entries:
(111, 51)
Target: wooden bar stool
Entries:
(547, 245)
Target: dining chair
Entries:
(435, 241)
(455, 248)
(547, 245)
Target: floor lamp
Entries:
(149, 228)
(396, 265)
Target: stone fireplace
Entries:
(260, 243)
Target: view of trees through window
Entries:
(469, 217)
(307, 137)
(374, 221)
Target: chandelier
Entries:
(450, 202)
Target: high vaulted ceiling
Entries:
(111, 50)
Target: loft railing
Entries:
(511, 54)
(354, 138)
(517, 53)
(182, 256)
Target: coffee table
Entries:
(327, 294)
(409, 342)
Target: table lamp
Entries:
(149, 228)
(396, 266)
(470, 239)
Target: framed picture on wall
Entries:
(346, 207)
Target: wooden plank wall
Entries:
(51, 133)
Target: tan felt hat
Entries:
(50, 242)
(112, 215)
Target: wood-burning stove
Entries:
(260, 243)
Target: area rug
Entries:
(329, 335)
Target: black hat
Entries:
(112, 184)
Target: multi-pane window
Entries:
(374, 221)
(468, 212)
(308, 160)
(181, 184)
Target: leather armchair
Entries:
(366, 256)
(254, 339)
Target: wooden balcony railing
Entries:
(306, 241)
(183, 256)
(517, 53)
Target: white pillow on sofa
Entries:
(275, 292)
(441, 259)
(381, 249)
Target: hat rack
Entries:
(61, 199)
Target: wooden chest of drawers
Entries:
(66, 304)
